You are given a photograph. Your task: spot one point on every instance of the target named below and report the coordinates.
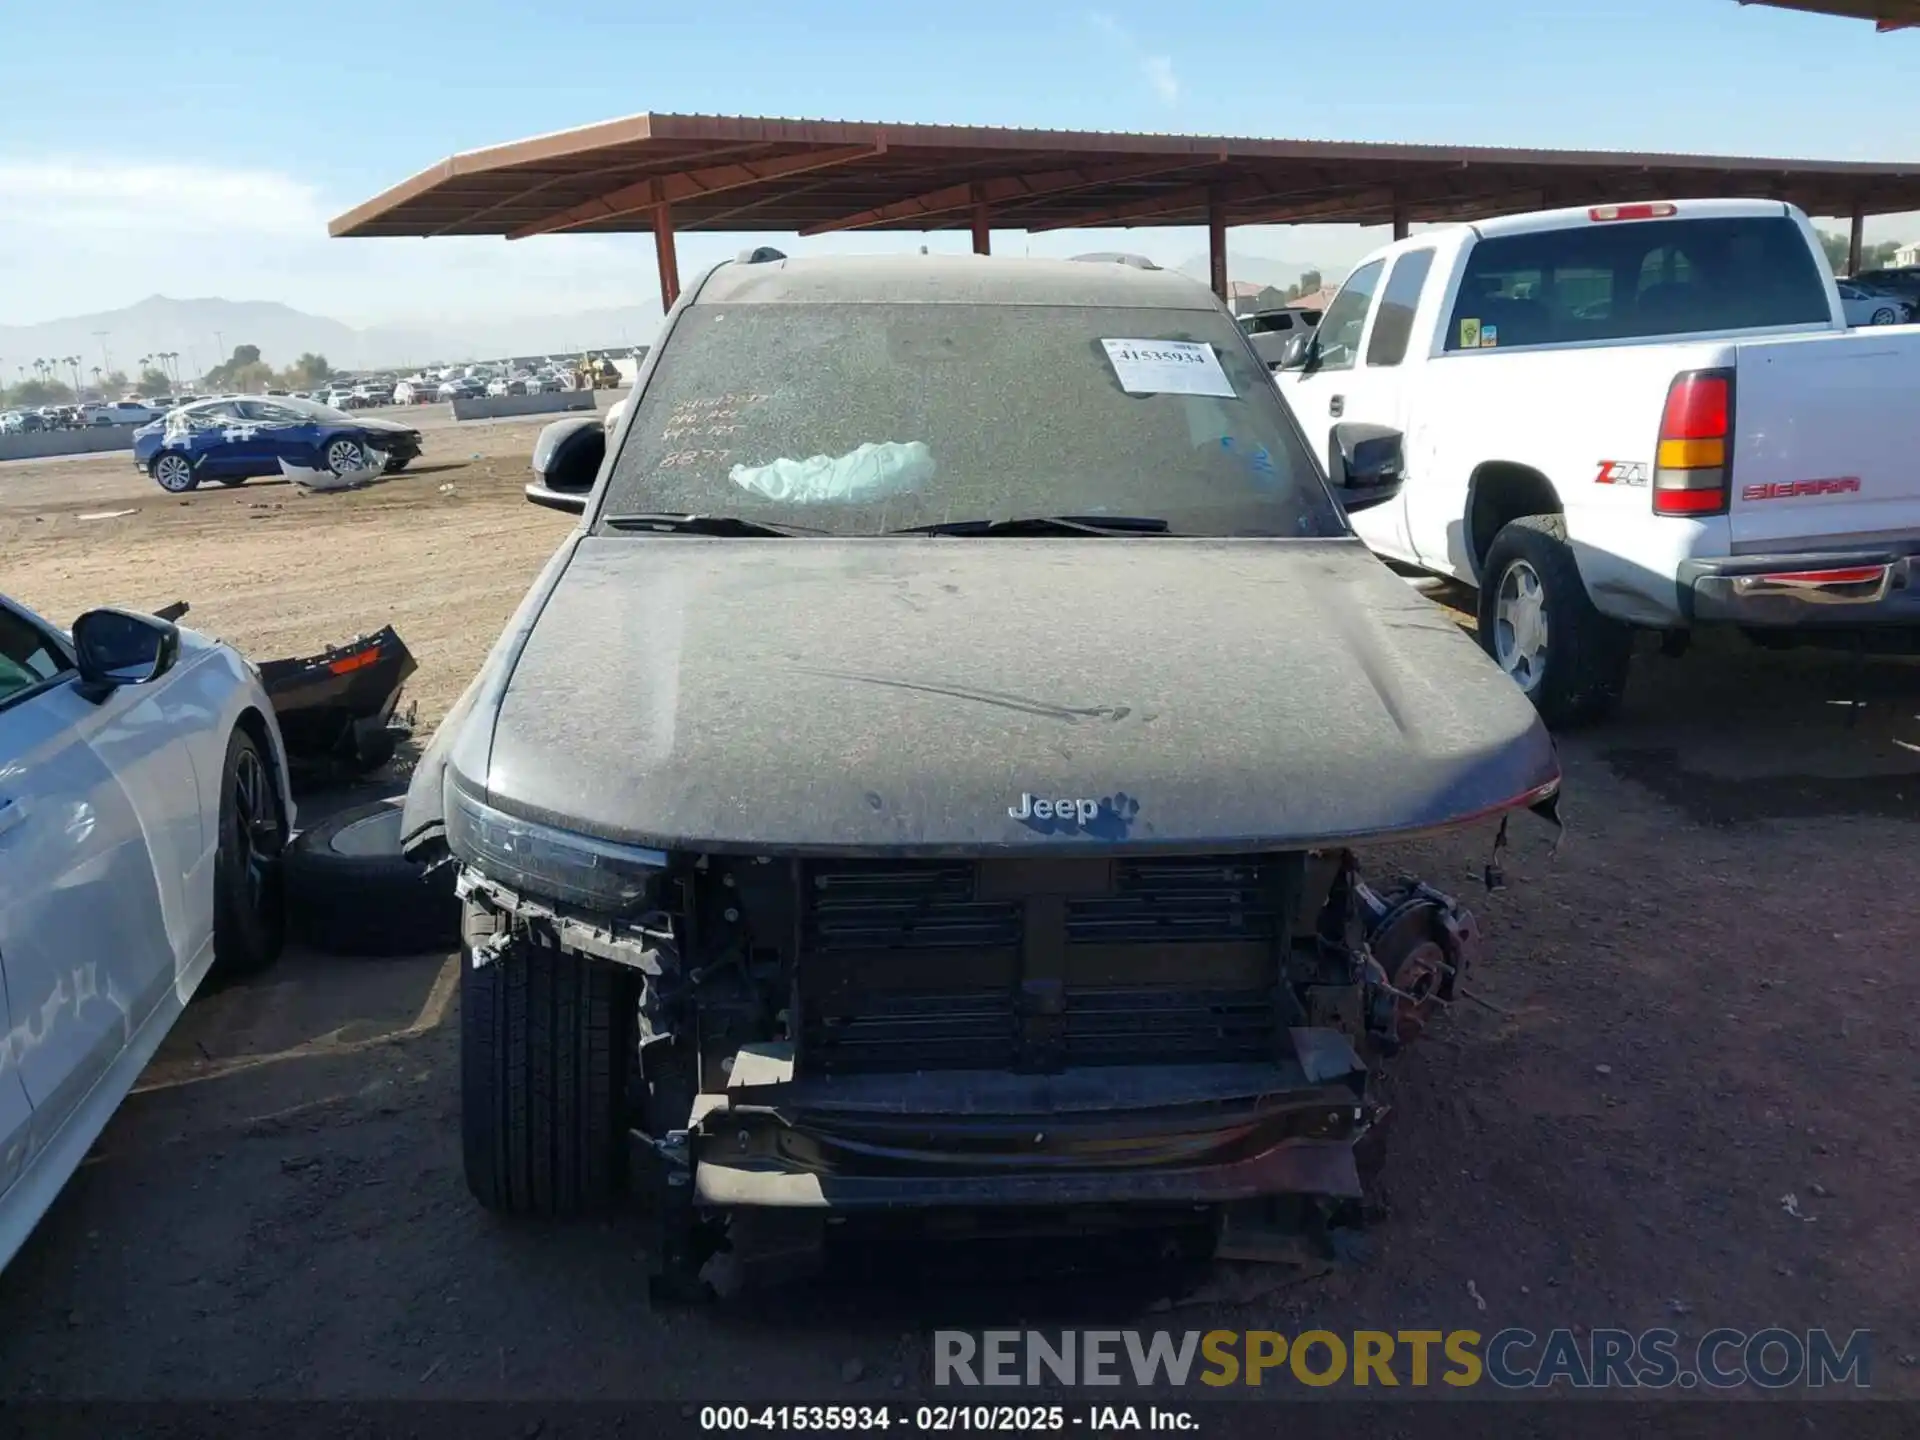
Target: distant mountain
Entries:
(284, 334)
(1258, 269)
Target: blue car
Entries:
(234, 439)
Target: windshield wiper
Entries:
(1045, 525)
(668, 524)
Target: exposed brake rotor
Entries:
(1422, 944)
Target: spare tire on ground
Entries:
(350, 891)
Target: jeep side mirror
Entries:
(573, 502)
(566, 462)
(1370, 461)
(118, 647)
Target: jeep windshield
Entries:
(869, 419)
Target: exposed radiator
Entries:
(944, 965)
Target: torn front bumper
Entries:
(1117, 1135)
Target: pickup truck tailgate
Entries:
(1827, 441)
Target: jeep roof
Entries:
(950, 279)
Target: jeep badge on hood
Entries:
(1030, 808)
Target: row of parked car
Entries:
(82, 417)
(424, 390)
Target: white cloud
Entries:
(1156, 70)
(91, 197)
(81, 235)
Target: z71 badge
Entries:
(1621, 472)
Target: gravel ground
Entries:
(1702, 1004)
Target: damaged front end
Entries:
(815, 1037)
(338, 710)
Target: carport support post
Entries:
(1217, 245)
(666, 257)
(982, 225)
(1856, 240)
(1399, 220)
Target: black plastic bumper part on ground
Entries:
(339, 704)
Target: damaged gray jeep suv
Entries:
(929, 778)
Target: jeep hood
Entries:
(906, 695)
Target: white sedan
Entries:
(1864, 305)
(144, 805)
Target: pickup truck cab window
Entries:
(1336, 344)
(1636, 280)
(1393, 324)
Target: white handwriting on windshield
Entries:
(691, 430)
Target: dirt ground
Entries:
(1703, 1004)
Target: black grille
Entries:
(1161, 1027)
(903, 966)
(1180, 901)
(892, 1034)
(888, 906)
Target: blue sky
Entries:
(202, 152)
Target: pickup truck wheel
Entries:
(543, 1036)
(1540, 626)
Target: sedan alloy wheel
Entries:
(174, 473)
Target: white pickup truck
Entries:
(1643, 416)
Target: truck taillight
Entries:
(1690, 474)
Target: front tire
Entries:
(345, 457)
(249, 909)
(173, 472)
(1886, 315)
(543, 1041)
(1540, 626)
(232, 480)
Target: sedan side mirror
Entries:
(113, 648)
(1371, 464)
(1296, 352)
(566, 462)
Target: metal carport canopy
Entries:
(1891, 14)
(667, 173)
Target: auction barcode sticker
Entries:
(1168, 367)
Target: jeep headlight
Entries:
(598, 875)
